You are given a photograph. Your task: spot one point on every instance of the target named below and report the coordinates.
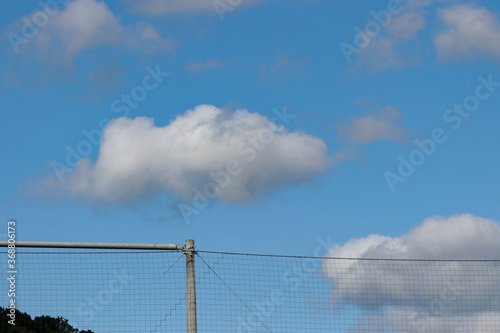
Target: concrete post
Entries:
(190, 287)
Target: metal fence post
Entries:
(190, 287)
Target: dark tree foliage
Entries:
(42, 324)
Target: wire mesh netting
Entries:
(144, 291)
(103, 291)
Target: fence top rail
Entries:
(124, 246)
(348, 258)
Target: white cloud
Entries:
(404, 296)
(368, 128)
(165, 7)
(468, 31)
(84, 25)
(138, 160)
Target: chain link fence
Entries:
(145, 291)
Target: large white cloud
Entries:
(404, 296)
(469, 31)
(138, 160)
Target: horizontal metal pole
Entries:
(122, 246)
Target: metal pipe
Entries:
(190, 287)
(121, 246)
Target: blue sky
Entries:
(323, 173)
(300, 127)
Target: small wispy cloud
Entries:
(407, 25)
(390, 49)
(285, 65)
(79, 26)
(392, 44)
(166, 7)
(381, 55)
(201, 66)
(380, 125)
